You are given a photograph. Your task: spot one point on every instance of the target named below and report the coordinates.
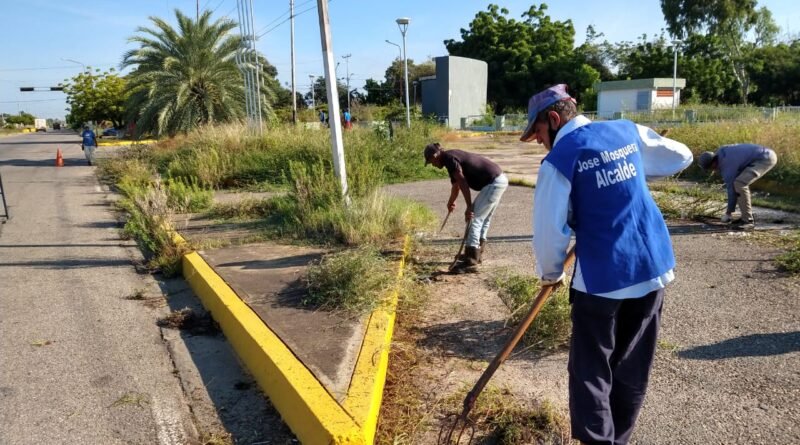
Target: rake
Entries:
(462, 422)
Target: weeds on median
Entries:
(551, 328)
(789, 261)
(503, 420)
(354, 280)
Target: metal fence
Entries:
(518, 122)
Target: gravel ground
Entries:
(728, 365)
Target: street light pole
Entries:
(402, 23)
(399, 57)
(346, 58)
(675, 44)
(311, 79)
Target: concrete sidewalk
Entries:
(323, 371)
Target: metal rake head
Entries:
(454, 428)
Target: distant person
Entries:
(592, 183)
(739, 165)
(471, 171)
(347, 120)
(89, 144)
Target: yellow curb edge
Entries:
(309, 410)
(101, 143)
(365, 394)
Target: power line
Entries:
(29, 101)
(289, 18)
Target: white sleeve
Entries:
(551, 234)
(662, 156)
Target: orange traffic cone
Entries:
(59, 159)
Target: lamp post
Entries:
(311, 78)
(75, 61)
(402, 23)
(675, 44)
(399, 57)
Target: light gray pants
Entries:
(88, 151)
(748, 176)
(483, 207)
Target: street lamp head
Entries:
(677, 42)
(402, 23)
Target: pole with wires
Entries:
(294, 91)
(241, 62)
(257, 67)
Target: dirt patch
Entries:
(191, 321)
(454, 336)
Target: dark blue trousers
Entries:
(611, 353)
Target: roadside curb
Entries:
(102, 143)
(311, 412)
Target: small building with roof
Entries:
(457, 91)
(619, 96)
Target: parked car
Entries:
(112, 132)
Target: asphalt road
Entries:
(79, 363)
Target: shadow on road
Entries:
(755, 345)
(237, 403)
(68, 162)
(278, 263)
(68, 264)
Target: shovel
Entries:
(463, 420)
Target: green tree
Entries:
(96, 96)
(22, 118)
(524, 56)
(776, 71)
(393, 86)
(187, 77)
(729, 20)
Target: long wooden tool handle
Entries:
(540, 300)
(445, 220)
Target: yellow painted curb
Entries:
(369, 377)
(311, 412)
(102, 143)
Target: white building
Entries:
(636, 95)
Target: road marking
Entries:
(169, 428)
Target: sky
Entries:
(47, 41)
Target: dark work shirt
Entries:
(478, 170)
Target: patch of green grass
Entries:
(695, 202)
(502, 419)
(315, 210)
(780, 136)
(552, 327)
(667, 346)
(186, 195)
(355, 280)
(132, 398)
(521, 182)
(789, 260)
(246, 209)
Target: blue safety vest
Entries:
(621, 236)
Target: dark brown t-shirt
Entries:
(478, 170)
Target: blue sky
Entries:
(39, 35)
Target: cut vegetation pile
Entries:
(552, 326)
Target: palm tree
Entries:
(186, 77)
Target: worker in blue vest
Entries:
(592, 183)
(88, 144)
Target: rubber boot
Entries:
(472, 257)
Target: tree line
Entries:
(730, 52)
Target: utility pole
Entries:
(333, 97)
(346, 58)
(197, 17)
(257, 66)
(294, 94)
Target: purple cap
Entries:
(539, 102)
